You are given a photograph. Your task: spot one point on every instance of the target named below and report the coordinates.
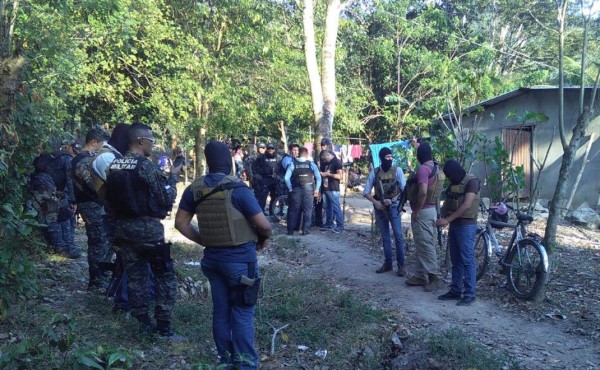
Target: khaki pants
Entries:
(424, 234)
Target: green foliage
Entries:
(502, 178)
(104, 359)
(17, 275)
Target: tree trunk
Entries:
(202, 110)
(557, 204)
(581, 170)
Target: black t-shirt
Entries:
(332, 167)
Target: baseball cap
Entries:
(270, 146)
(262, 145)
(326, 141)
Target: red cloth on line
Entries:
(356, 151)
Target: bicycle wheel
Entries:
(527, 264)
(279, 208)
(482, 255)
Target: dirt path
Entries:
(535, 344)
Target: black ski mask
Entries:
(385, 163)
(424, 153)
(218, 157)
(454, 171)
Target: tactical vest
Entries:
(81, 175)
(433, 192)
(386, 184)
(126, 193)
(302, 176)
(270, 166)
(220, 223)
(455, 196)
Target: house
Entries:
(491, 118)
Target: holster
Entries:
(243, 294)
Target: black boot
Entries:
(146, 325)
(166, 332)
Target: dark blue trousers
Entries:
(300, 204)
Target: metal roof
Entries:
(506, 96)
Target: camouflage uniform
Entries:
(92, 212)
(141, 234)
(60, 170)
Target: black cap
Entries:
(325, 141)
(262, 145)
(270, 146)
(76, 146)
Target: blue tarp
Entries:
(375, 148)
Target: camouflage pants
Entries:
(98, 242)
(157, 254)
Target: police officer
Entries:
(140, 196)
(388, 182)
(460, 212)
(300, 179)
(231, 227)
(41, 192)
(91, 208)
(60, 170)
(266, 175)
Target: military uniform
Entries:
(265, 178)
(60, 170)
(92, 212)
(140, 196)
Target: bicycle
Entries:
(525, 262)
(278, 208)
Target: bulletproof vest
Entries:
(99, 184)
(58, 168)
(270, 166)
(126, 193)
(433, 192)
(302, 175)
(220, 223)
(82, 178)
(455, 197)
(386, 184)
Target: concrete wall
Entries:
(493, 120)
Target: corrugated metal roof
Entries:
(506, 96)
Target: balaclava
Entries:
(385, 163)
(424, 153)
(454, 171)
(218, 157)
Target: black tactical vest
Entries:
(126, 193)
(83, 192)
(302, 175)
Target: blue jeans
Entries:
(233, 326)
(384, 219)
(333, 211)
(461, 240)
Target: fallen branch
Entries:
(275, 331)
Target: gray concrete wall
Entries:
(493, 120)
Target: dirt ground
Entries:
(561, 332)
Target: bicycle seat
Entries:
(523, 217)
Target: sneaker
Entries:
(450, 296)
(401, 271)
(466, 301)
(337, 230)
(433, 284)
(384, 268)
(415, 281)
(326, 228)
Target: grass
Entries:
(69, 328)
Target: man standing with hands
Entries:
(300, 178)
(231, 227)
